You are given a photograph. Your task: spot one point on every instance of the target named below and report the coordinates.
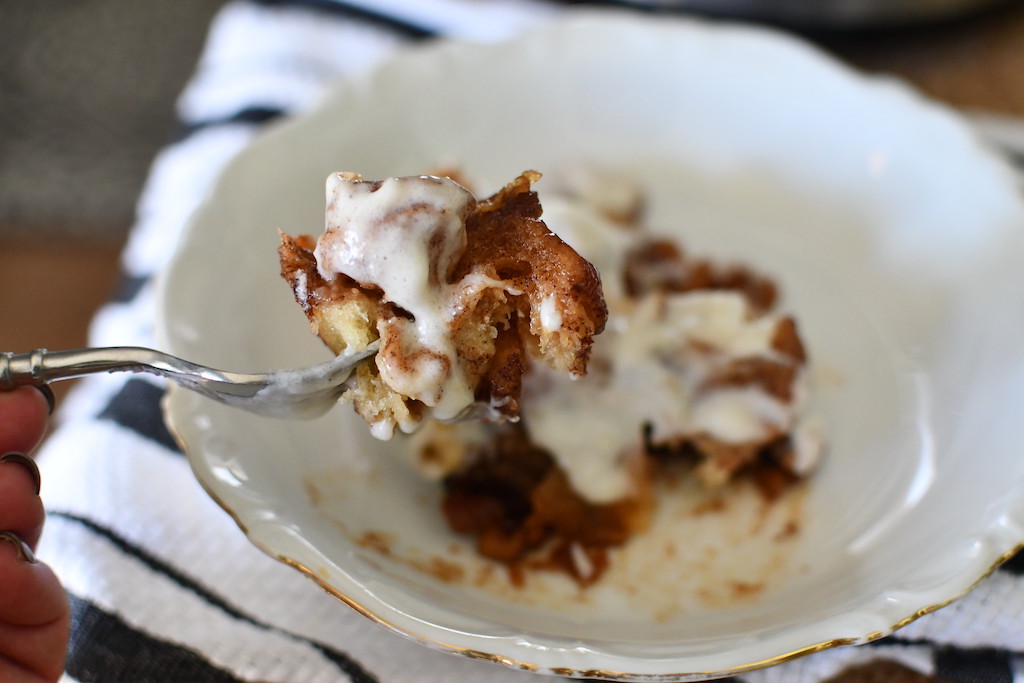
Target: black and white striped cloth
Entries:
(162, 584)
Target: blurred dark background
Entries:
(87, 90)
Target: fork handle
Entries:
(40, 367)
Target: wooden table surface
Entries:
(977, 63)
(48, 290)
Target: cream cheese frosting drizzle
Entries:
(404, 237)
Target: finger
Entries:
(34, 613)
(32, 595)
(23, 416)
(21, 508)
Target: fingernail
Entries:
(47, 393)
(25, 553)
(28, 463)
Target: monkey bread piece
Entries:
(481, 310)
(699, 375)
(462, 293)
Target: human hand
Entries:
(34, 611)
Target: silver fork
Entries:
(301, 393)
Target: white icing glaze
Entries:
(659, 357)
(550, 315)
(404, 236)
(651, 366)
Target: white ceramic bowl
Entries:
(896, 239)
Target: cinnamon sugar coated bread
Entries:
(697, 369)
(463, 293)
(484, 312)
